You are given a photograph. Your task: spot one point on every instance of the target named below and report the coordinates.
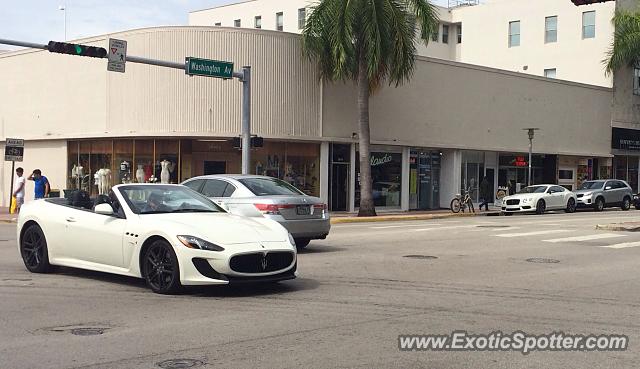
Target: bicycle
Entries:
(461, 202)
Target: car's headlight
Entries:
(198, 243)
(291, 240)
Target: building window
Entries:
(258, 22)
(589, 24)
(636, 80)
(514, 34)
(436, 34)
(218, 24)
(445, 34)
(237, 23)
(459, 32)
(279, 21)
(302, 17)
(551, 29)
(550, 73)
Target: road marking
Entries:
(586, 238)
(531, 233)
(406, 225)
(623, 245)
(444, 228)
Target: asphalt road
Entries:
(356, 292)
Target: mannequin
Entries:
(140, 174)
(125, 172)
(105, 181)
(165, 175)
(80, 176)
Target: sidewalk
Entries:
(384, 216)
(5, 217)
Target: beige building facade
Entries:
(431, 137)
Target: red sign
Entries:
(520, 161)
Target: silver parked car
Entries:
(604, 193)
(305, 217)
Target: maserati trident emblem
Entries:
(263, 262)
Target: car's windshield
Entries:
(534, 189)
(591, 185)
(269, 187)
(160, 199)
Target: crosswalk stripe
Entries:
(405, 225)
(622, 245)
(443, 228)
(585, 238)
(508, 235)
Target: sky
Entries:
(40, 21)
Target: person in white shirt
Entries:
(18, 188)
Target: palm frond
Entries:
(625, 49)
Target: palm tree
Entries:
(625, 50)
(369, 42)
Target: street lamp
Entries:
(63, 8)
(530, 132)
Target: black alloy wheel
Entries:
(160, 268)
(33, 248)
(541, 207)
(571, 206)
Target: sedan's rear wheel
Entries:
(571, 206)
(161, 269)
(541, 206)
(301, 243)
(33, 248)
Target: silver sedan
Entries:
(305, 217)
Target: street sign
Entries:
(209, 68)
(117, 55)
(14, 149)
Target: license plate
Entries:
(303, 210)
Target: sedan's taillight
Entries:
(272, 209)
(320, 206)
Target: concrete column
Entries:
(324, 172)
(404, 191)
(352, 179)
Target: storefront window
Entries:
(166, 160)
(472, 173)
(386, 175)
(123, 153)
(143, 160)
(626, 168)
(295, 163)
(513, 171)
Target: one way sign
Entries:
(117, 55)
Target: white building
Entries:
(539, 37)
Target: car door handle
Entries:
(71, 220)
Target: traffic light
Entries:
(76, 49)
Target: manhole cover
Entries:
(543, 260)
(87, 331)
(420, 257)
(179, 363)
(493, 226)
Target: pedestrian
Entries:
(42, 184)
(486, 193)
(18, 189)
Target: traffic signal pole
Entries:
(244, 77)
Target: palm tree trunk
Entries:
(367, 207)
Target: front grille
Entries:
(579, 195)
(513, 202)
(260, 262)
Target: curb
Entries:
(618, 227)
(395, 218)
(9, 221)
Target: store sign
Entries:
(625, 139)
(520, 161)
(380, 160)
(14, 149)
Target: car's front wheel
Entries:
(301, 243)
(571, 206)
(599, 204)
(160, 268)
(33, 248)
(626, 204)
(541, 207)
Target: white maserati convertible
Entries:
(538, 199)
(167, 234)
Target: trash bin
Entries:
(54, 193)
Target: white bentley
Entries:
(167, 234)
(538, 199)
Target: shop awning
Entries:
(587, 2)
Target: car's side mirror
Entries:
(104, 209)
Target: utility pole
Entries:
(531, 132)
(191, 67)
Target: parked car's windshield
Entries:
(591, 185)
(534, 189)
(269, 187)
(159, 199)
